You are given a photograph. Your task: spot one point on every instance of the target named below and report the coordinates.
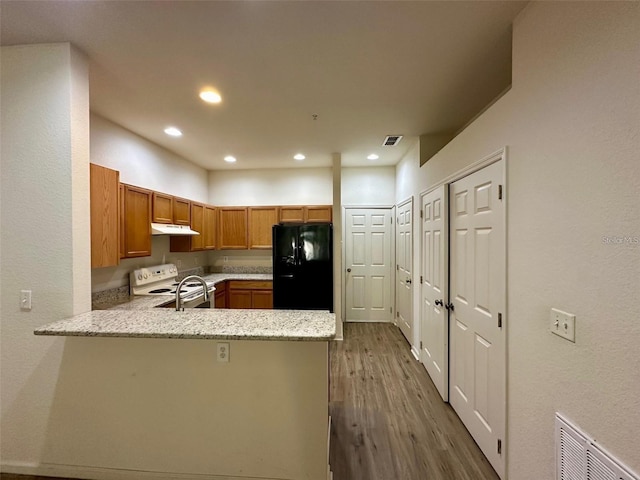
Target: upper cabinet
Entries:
(261, 222)
(170, 209)
(306, 214)
(137, 221)
(233, 228)
(203, 221)
(105, 216)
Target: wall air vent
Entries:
(579, 458)
(392, 140)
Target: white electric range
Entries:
(162, 280)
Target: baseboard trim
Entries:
(415, 353)
(101, 473)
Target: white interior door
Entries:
(478, 296)
(434, 328)
(404, 261)
(368, 265)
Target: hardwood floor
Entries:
(388, 420)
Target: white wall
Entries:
(145, 164)
(44, 230)
(368, 186)
(295, 186)
(571, 124)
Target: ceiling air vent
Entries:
(392, 140)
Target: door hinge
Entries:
(499, 320)
(499, 192)
(397, 267)
(397, 314)
(420, 279)
(420, 344)
(421, 213)
(499, 447)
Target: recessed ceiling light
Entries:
(373, 156)
(210, 96)
(229, 159)
(299, 156)
(173, 131)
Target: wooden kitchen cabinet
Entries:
(221, 295)
(293, 214)
(170, 209)
(306, 214)
(182, 211)
(137, 221)
(162, 208)
(203, 222)
(250, 294)
(261, 222)
(105, 216)
(232, 228)
(318, 213)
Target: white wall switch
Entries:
(25, 299)
(563, 324)
(223, 352)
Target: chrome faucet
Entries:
(188, 279)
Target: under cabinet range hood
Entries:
(168, 229)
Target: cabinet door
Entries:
(197, 224)
(318, 213)
(182, 211)
(209, 227)
(239, 298)
(105, 218)
(162, 208)
(221, 295)
(261, 222)
(137, 222)
(232, 228)
(292, 214)
(121, 215)
(262, 299)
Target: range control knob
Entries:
(146, 276)
(139, 276)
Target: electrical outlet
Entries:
(223, 352)
(25, 299)
(179, 263)
(225, 259)
(563, 324)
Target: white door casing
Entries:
(404, 262)
(434, 328)
(368, 264)
(477, 320)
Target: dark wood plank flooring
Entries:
(389, 422)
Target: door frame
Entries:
(501, 154)
(343, 274)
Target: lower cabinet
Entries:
(249, 294)
(221, 295)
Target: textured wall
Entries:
(295, 186)
(143, 163)
(368, 186)
(45, 234)
(570, 122)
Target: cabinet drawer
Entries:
(250, 285)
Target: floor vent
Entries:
(579, 458)
(392, 140)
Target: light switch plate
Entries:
(25, 299)
(563, 324)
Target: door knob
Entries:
(408, 280)
(449, 306)
(348, 270)
(439, 302)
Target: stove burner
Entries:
(194, 284)
(161, 290)
(173, 291)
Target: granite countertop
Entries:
(137, 317)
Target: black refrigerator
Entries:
(303, 266)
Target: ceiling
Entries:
(366, 69)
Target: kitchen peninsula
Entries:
(154, 399)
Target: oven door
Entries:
(195, 302)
